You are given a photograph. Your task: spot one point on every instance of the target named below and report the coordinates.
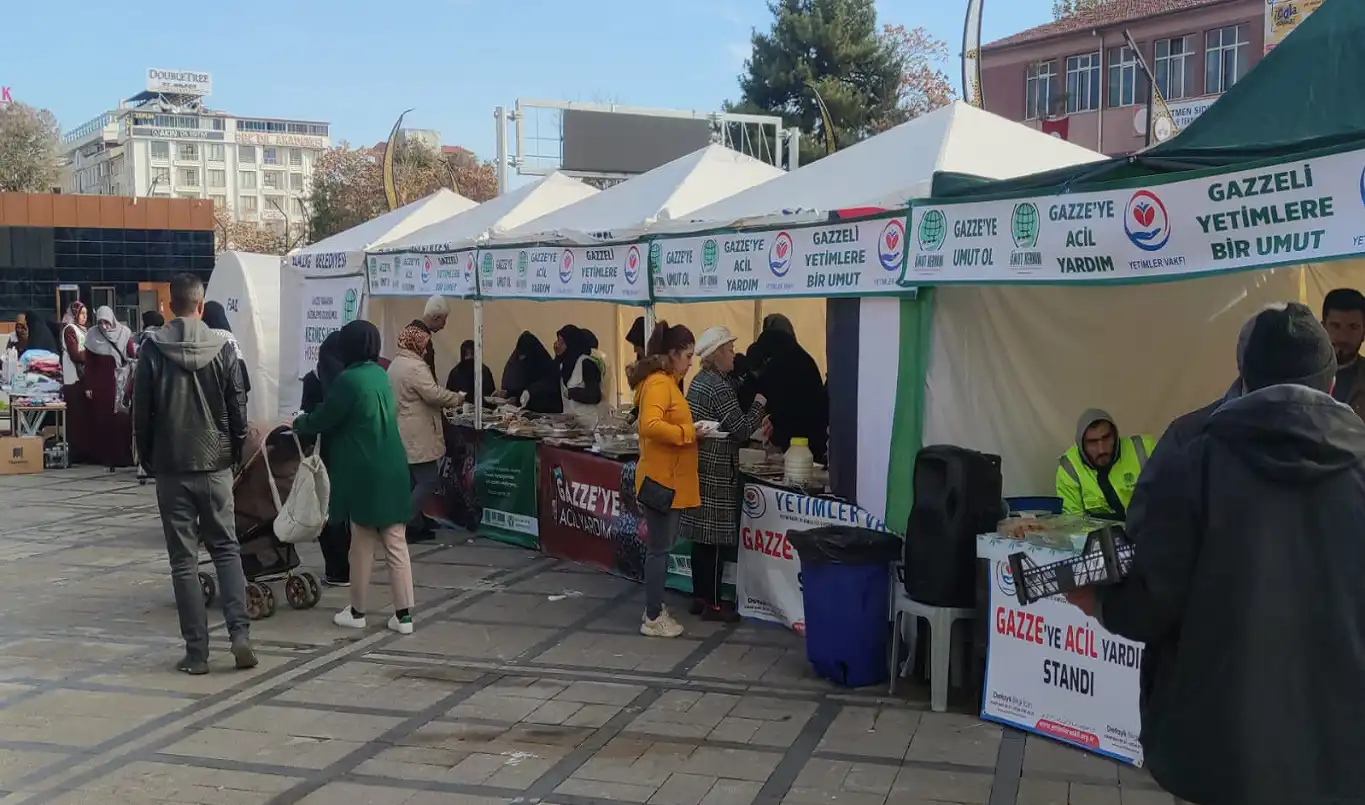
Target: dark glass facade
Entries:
(34, 260)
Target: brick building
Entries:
(102, 250)
(1079, 68)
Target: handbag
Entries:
(302, 516)
(655, 497)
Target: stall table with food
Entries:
(1051, 669)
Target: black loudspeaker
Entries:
(957, 496)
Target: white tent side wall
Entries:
(248, 287)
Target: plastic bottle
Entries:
(798, 462)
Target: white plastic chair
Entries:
(941, 620)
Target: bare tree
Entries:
(30, 161)
(1065, 8)
(256, 237)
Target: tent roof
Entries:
(393, 224)
(668, 192)
(497, 215)
(1309, 81)
(898, 164)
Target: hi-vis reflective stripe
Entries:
(1140, 445)
(1069, 468)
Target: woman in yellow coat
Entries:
(668, 461)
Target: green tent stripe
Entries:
(907, 428)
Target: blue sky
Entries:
(452, 61)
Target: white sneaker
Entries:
(403, 626)
(662, 626)
(348, 620)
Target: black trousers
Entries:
(335, 542)
(708, 567)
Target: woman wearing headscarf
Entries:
(358, 423)
(215, 316)
(335, 539)
(580, 377)
(420, 402)
(798, 404)
(31, 331)
(109, 352)
(461, 378)
(713, 527)
(532, 377)
(603, 368)
(74, 392)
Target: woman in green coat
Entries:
(368, 468)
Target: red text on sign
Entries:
(772, 543)
(1019, 624)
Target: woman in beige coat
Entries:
(420, 400)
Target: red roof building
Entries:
(1076, 78)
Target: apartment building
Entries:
(166, 142)
(1077, 78)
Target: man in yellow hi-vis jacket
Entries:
(1097, 475)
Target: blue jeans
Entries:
(663, 532)
(426, 479)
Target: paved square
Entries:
(525, 682)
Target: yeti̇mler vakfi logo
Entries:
(933, 228)
(1362, 186)
(891, 245)
(566, 266)
(632, 264)
(754, 503)
(780, 255)
(1145, 221)
(426, 270)
(469, 269)
(1004, 578)
(710, 256)
(1024, 225)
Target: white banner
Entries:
(1285, 214)
(608, 273)
(328, 305)
(853, 258)
(1054, 671)
(415, 274)
(768, 584)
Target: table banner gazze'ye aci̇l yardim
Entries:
(422, 275)
(612, 272)
(860, 257)
(1289, 213)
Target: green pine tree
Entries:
(837, 48)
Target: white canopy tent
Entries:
(887, 170)
(248, 287)
(339, 256)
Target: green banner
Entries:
(505, 485)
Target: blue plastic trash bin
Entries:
(846, 590)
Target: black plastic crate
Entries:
(1105, 559)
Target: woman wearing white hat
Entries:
(713, 528)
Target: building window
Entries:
(1171, 66)
(295, 158)
(161, 177)
(189, 177)
(161, 150)
(274, 180)
(188, 152)
(215, 152)
(1038, 90)
(219, 202)
(1227, 55)
(296, 205)
(218, 124)
(296, 182)
(246, 154)
(246, 180)
(274, 205)
(217, 178)
(1127, 84)
(270, 156)
(1082, 83)
(247, 204)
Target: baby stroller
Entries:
(265, 558)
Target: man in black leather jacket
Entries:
(189, 421)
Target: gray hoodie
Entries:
(189, 402)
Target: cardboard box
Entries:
(21, 455)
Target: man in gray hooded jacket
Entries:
(189, 422)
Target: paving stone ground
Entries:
(525, 682)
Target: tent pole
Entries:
(649, 323)
(479, 390)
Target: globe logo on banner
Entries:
(632, 264)
(891, 245)
(488, 264)
(426, 270)
(933, 228)
(522, 260)
(656, 254)
(710, 256)
(566, 266)
(780, 255)
(1145, 221)
(754, 503)
(1004, 578)
(1024, 225)
(351, 308)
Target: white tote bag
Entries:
(302, 517)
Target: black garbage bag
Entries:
(845, 545)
